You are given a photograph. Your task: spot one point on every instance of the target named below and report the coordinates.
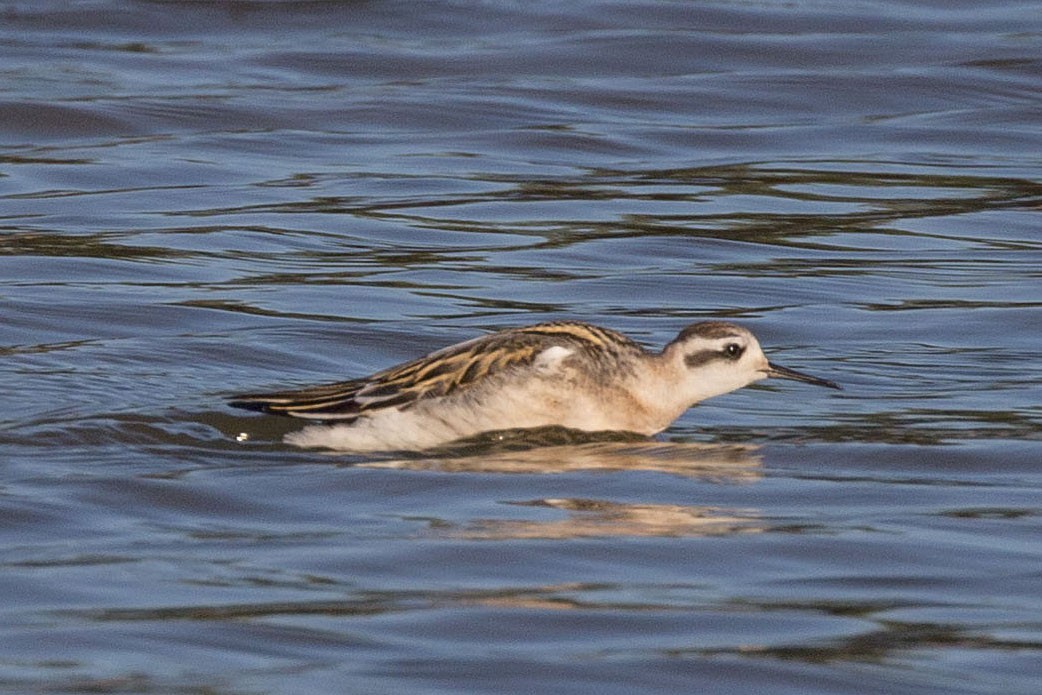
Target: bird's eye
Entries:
(733, 351)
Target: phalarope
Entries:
(568, 374)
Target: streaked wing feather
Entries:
(326, 402)
(450, 370)
(447, 371)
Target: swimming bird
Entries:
(566, 373)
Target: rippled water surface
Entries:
(198, 199)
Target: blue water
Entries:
(200, 199)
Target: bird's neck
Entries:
(663, 389)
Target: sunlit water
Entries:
(199, 199)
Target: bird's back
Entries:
(596, 352)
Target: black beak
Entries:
(777, 372)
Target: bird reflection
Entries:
(556, 450)
(559, 451)
(600, 518)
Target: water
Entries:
(200, 199)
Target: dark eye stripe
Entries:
(697, 359)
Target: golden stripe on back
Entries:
(594, 336)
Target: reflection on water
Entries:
(540, 452)
(598, 518)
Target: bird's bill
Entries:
(777, 372)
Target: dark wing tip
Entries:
(250, 403)
(303, 404)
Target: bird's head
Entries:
(715, 357)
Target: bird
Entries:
(567, 374)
